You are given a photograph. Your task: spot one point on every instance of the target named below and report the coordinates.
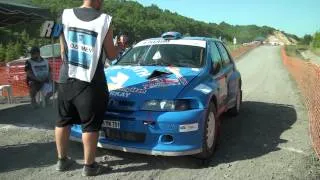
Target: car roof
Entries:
(190, 38)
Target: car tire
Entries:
(236, 109)
(210, 133)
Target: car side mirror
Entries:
(114, 62)
(216, 67)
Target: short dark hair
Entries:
(34, 50)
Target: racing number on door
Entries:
(223, 88)
(227, 69)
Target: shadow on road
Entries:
(33, 155)
(25, 116)
(254, 133)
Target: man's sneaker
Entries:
(92, 170)
(64, 164)
(34, 105)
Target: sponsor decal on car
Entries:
(149, 42)
(176, 72)
(117, 81)
(139, 70)
(189, 127)
(157, 83)
(203, 88)
(120, 94)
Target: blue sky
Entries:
(298, 17)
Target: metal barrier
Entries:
(307, 76)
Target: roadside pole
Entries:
(53, 71)
(51, 30)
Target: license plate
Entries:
(111, 124)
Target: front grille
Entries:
(115, 134)
(126, 103)
(121, 104)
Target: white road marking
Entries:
(293, 150)
(23, 127)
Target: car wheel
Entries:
(236, 109)
(210, 133)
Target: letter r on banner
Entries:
(47, 29)
(57, 29)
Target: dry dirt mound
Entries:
(278, 38)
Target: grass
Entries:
(293, 50)
(232, 47)
(316, 51)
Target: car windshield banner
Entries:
(149, 42)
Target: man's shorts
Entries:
(83, 104)
(34, 87)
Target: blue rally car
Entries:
(166, 96)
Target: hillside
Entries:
(280, 38)
(143, 22)
(139, 22)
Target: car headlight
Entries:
(167, 105)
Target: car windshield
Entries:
(164, 55)
(46, 51)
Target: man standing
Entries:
(83, 92)
(38, 73)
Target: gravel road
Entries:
(268, 140)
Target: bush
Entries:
(293, 50)
(10, 52)
(316, 40)
(2, 53)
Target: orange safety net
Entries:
(307, 76)
(16, 77)
(3, 75)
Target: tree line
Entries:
(137, 21)
(15, 42)
(311, 40)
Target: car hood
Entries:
(140, 83)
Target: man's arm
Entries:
(27, 66)
(49, 75)
(62, 49)
(111, 50)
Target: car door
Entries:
(218, 75)
(228, 69)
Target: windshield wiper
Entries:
(157, 64)
(131, 64)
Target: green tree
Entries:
(306, 40)
(316, 40)
(139, 22)
(33, 42)
(10, 52)
(19, 49)
(25, 38)
(2, 53)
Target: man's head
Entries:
(35, 52)
(124, 39)
(96, 4)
